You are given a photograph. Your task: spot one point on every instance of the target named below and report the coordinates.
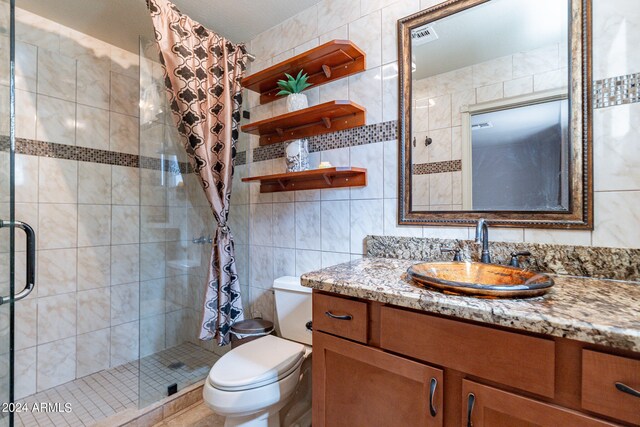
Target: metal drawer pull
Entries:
(334, 316)
(432, 391)
(470, 402)
(626, 389)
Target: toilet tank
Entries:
(293, 308)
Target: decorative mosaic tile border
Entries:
(437, 167)
(241, 158)
(616, 91)
(368, 134)
(584, 261)
(54, 150)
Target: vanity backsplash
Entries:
(585, 261)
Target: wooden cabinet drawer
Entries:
(517, 360)
(600, 373)
(484, 406)
(340, 316)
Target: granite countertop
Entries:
(597, 311)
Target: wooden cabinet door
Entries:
(355, 385)
(484, 406)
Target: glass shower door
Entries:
(14, 286)
(7, 233)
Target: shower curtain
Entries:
(202, 76)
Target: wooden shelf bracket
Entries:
(327, 71)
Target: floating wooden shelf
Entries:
(331, 116)
(331, 61)
(311, 180)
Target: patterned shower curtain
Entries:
(202, 75)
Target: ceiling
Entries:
(120, 22)
(491, 30)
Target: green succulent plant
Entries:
(293, 84)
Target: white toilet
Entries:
(267, 382)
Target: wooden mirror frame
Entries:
(580, 212)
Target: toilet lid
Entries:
(256, 363)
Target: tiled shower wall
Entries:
(291, 233)
(103, 281)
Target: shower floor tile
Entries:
(107, 392)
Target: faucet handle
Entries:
(514, 257)
(456, 255)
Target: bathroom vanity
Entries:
(390, 353)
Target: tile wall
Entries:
(117, 274)
(291, 233)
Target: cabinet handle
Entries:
(470, 402)
(338, 317)
(626, 389)
(432, 391)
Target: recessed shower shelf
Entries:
(314, 179)
(331, 61)
(328, 117)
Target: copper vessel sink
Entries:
(478, 279)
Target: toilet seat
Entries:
(256, 364)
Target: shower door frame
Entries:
(8, 295)
(7, 301)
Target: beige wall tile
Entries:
(57, 225)
(93, 83)
(55, 120)
(366, 34)
(124, 94)
(56, 75)
(365, 89)
(26, 71)
(57, 180)
(94, 183)
(124, 343)
(56, 363)
(92, 352)
(335, 13)
(92, 127)
(616, 219)
(56, 271)
(62, 308)
(94, 310)
(616, 132)
(94, 267)
(125, 260)
(94, 225)
(25, 372)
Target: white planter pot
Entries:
(297, 101)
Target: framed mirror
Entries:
(495, 114)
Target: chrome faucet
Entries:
(482, 236)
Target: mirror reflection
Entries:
(490, 109)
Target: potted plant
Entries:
(292, 88)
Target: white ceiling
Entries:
(120, 22)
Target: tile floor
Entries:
(107, 392)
